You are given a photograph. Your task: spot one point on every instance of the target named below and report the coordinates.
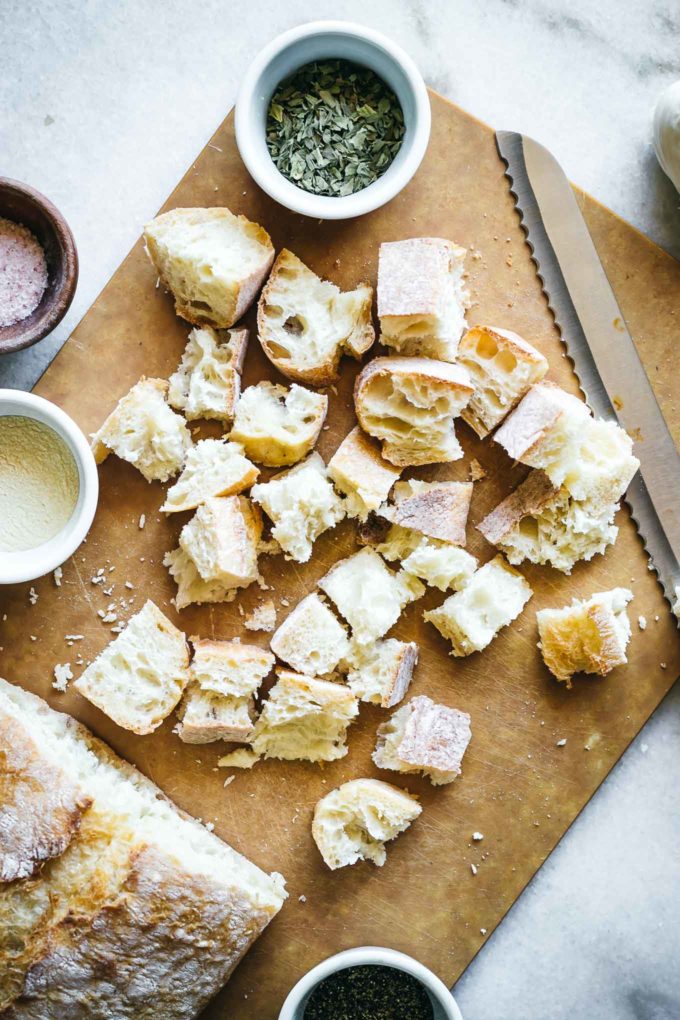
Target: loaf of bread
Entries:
(279, 425)
(311, 639)
(143, 430)
(588, 636)
(424, 737)
(222, 540)
(502, 367)
(492, 599)
(409, 404)
(118, 904)
(361, 474)
(437, 510)
(206, 716)
(207, 382)
(140, 676)
(422, 296)
(381, 673)
(213, 262)
(353, 822)
(306, 324)
(213, 467)
(368, 594)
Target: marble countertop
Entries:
(114, 99)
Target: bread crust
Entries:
(523, 433)
(441, 511)
(528, 498)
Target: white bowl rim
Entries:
(325, 207)
(363, 955)
(29, 564)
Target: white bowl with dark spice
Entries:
(332, 119)
(374, 980)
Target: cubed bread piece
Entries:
(424, 737)
(361, 474)
(422, 296)
(502, 367)
(222, 538)
(543, 524)
(304, 718)
(589, 636)
(191, 587)
(140, 676)
(381, 673)
(302, 504)
(230, 668)
(553, 430)
(368, 594)
(311, 639)
(207, 383)
(306, 324)
(206, 716)
(436, 509)
(143, 430)
(439, 564)
(261, 617)
(353, 822)
(278, 425)
(409, 404)
(492, 599)
(213, 467)
(213, 262)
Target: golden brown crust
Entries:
(440, 512)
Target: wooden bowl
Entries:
(23, 204)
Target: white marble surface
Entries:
(114, 99)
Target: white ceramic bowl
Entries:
(323, 40)
(31, 563)
(443, 1004)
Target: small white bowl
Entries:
(16, 567)
(443, 1004)
(328, 40)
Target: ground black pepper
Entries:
(369, 993)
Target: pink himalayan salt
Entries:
(23, 272)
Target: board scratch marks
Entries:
(83, 588)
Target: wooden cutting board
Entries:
(519, 788)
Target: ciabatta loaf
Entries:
(213, 467)
(361, 474)
(213, 262)
(588, 636)
(207, 382)
(424, 737)
(306, 324)
(279, 425)
(381, 673)
(311, 639)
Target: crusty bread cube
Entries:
(213, 262)
(353, 822)
(502, 367)
(492, 599)
(368, 594)
(422, 296)
(230, 668)
(381, 673)
(409, 404)
(206, 716)
(191, 587)
(302, 504)
(311, 639)
(207, 382)
(424, 737)
(304, 719)
(279, 425)
(361, 474)
(439, 564)
(588, 636)
(222, 539)
(140, 676)
(306, 324)
(436, 509)
(214, 467)
(143, 430)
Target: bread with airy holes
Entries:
(311, 639)
(207, 382)
(424, 737)
(439, 564)
(361, 474)
(230, 668)
(222, 540)
(381, 673)
(191, 587)
(279, 425)
(205, 716)
(588, 636)
(213, 467)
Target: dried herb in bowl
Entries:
(369, 992)
(334, 127)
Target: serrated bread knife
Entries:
(598, 342)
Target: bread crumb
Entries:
(129, 584)
(642, 622)
(228, 781)
(32, 596)
(477, 836)
(33, 637)
(73, 637)
(475, 471)
(263, 617)
(663, 665)
(302, 899)
(57, 575)
(473, 869)
(210, 826)
(142, 521)
(482, 931)
(62, 674)
(561, 743)
(242, 758)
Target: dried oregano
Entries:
(334, 127)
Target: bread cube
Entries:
(304, 719)
(381, 673)
(213, 262)
(439, 564)
(492, 599)
(311, 639)
(588, 636)
(422, 296)
(302, 504)
(143, 430)
(229, 668)
(409, 404)
(213, 467)
(206, 716)
(140, 676)
(207, 382)
(191, 587)
(502, 367)
(306, 324)
(279, 425)
(353, 822)
(222, 539)
(424, 737)
(438, 510)
(361, 474)
(368, 594)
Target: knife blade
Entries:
(598, 342)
